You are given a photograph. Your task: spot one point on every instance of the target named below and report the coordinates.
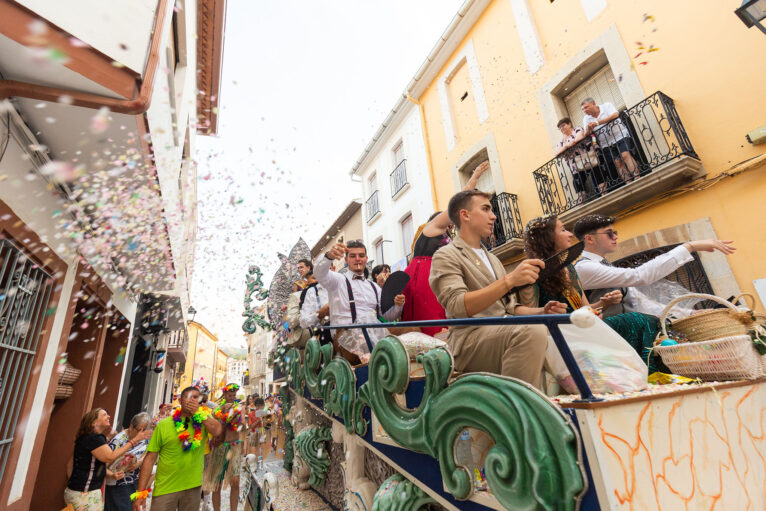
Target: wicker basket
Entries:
(63, 391)
(728, 358)
(69, 375)
(710, 324)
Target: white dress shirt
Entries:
(315, 299)
(596, 275)
(364, 297)
(610, 133)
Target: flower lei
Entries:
(139, 495)
(183, 432)
(232, 417)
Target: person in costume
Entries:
(91, 456)
(225, 459)
(547, 236)
(420, 303)
(177, 447)
(306, 269)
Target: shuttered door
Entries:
(602, 87)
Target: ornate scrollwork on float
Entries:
(254, 287)
(312, 444)
(285, 399)
(399, 494)
(535, 460)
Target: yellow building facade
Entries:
(201, 358)
(221, 366)
(506, 71)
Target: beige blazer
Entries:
(457, 269)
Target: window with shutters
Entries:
(601, 86)
(408, 233)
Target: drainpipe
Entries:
(139, 104)
(424, 129)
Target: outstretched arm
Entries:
(441, 222)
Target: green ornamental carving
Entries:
(399, 494)
(331, 380)
(294, 370)
(534, 462)
(254, 286)
(311, 444)
(285, 399)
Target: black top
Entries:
(87, 472)
(427, 245)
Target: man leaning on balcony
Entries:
(468, 281)
(613, 137)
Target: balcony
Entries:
(398, 179)
(373, 207)
(177, 346)
(506, 240)
(594, 176)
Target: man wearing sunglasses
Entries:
(600, 278)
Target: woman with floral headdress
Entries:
(419, 300)
(547, 236)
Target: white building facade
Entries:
(99, 109)
(235, 371)
(396, 186)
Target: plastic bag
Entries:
(608, 363)
(651, 299)
(353, 339)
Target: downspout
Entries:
(135, 106)
(424, 129)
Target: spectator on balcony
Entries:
(543, 238)
(420, 302)
(353, 299)
(580, 156)
(468, 281)
(380, 273)
(613, 137)
(598, 276)
(306, 269)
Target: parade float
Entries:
(406, 432)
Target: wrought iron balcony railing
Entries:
(644, 137)
(398, 178)
(508, 224)
(373, 206)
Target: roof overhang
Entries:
(342, 219)
(211, 22)
(449, 41)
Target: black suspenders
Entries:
(351, 303)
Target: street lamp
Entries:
(192, 312)
(752, 12)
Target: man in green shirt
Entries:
(179, 443)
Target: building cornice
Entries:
(205, 330)
(211, 21)
(449, 41)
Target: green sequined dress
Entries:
(637, 328)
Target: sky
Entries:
(304, 87)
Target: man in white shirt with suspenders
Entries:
(353, 299)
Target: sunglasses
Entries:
(611, 233)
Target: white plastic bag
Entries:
(607, 361)
(651, 299)
(353, 339)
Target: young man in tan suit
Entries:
(468, 281)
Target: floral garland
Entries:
(232, 417)
(139, 495)
(183, 431)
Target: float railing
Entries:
(551, 321)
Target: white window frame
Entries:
(406, 244)
(467, 57)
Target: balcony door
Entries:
(486, 183)
(601, 86)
